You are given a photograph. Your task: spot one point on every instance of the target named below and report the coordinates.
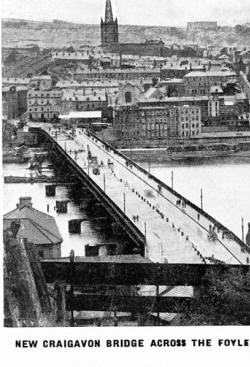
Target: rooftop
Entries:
(118, 71)
(212, 73)
(82, 115)
(39, 228)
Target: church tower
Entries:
(109, 27)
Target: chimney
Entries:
(24, 201)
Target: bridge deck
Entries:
(175, 231)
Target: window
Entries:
(128, 97)
(41, 254)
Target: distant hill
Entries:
(58, 33)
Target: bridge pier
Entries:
(50, 190)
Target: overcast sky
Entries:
(144, 12)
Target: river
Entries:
(225, 185)
(89, 233)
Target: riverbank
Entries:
(158, 155)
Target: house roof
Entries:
(216, 89)
(210, 73)
(82, 115)
(39, 228)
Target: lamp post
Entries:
(124, 202)
(104, 183)
(242, 229)
(145, 235)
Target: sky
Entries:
(141, 12)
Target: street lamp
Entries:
(124, 202)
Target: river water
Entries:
(89, 233)
(225, 185)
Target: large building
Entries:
(109, 27)
(138, 119)
(154, 123)
(198, 83)
(43, 100)
(85, 100)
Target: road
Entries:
(175, 232)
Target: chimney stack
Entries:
(24, 201)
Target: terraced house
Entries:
(43, 100)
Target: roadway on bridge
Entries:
(174, 231)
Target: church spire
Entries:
(108, 12)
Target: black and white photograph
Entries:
(126, 166)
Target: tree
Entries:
(222, 299)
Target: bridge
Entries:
(166, 227)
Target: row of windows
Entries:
(193, 111)
(39, 109)
(41, 101)
(30, 95)
(199, 91)
(143, 121)
(207, 78)
(187, 125)
(148, 133)
(186, 133)
(188, 118)
(205, 84)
